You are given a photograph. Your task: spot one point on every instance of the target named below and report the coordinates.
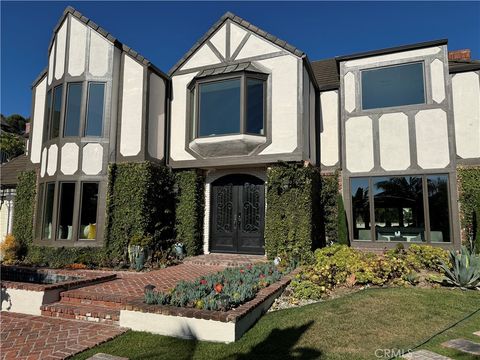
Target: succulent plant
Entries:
(463, 270)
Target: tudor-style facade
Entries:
(394, 123)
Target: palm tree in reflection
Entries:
(361, 210)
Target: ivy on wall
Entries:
(292, 218)
(469, 197)
(24, 209)
(140, 201)
(189, 210)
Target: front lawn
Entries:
(351, 327)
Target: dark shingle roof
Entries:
(239, 21)
(326, 74)
(9, 171)
(106, 35)
(246, 66)
(456, 66)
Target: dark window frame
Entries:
(59, 208)
(86, 105)
(65, 118)
(194, 102)
(426, 210)
(79, 217)
(383, 108)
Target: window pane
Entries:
(220, 108)
(72, 112)
(38, 219)
(48, 212)
(438, 208)
(361, 209)
(393, 86)
(255, 103)
(95, 110)
(399, 214)
(88, 217)
(48, 111)
(57, 108)
(65, 218)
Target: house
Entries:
(394, 123)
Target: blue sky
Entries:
(164, 31)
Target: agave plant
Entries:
(463, 270)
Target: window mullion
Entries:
(371, 200)
(426, 211)
(83, 110)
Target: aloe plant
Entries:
(463, 270)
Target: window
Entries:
(65, 212)
(48, 212)
(73, 109)
(235, 105)
(48, 112)
(57, 109)
(393, 86)
(88, 213)
(438, 208)
(94, 122)
(396, 205)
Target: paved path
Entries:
(37, 337)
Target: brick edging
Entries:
(232, 315)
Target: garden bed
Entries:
(24, 290)
(201, 324)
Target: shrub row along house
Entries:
(122, 149)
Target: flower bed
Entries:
(221, 291)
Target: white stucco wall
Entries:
(349, 91)
(438, 81)
(156, 117)
(359, 144)
(432, 139)
(38, 121)
(329, 137)
(236, 36)
(132, 106)
(43, 165)
(203, 56)
(466, 111)
(219, 40)
(394, 141)
(77, 47)
(61, 44)
(256, 46)
(92, 159)
(52, 159)
(69, 159)
(51, 62)
(99, 54)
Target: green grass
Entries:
(351, 327)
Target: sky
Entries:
(163, 31)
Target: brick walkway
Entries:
(38, 337)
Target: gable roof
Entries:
(9, 171)
(101, 31)
(239, 21)
(326, 74)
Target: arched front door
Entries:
(237, 214)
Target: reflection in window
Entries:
(96, 95)
(219, 107)
(72, 111)
(438, 208)
(65, 218)
(361, 209)
(393, 86)
(48, 113)
(398, 205)
(57, 108)
(255, 104)
(48, 212)
(88, 212)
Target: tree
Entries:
(11, 145)
(16, 122)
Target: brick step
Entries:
(81, 297)
(91, 313)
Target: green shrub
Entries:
(291, 214)
(342, 230)
(221, 291)
(469, 197)
(189, 210)
(418, 257)
(24, 205)
(62, 256)
(329, 208)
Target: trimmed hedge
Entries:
(140, 201)
(469, 197)
(291, 225)
(24, 205)
(189, 210)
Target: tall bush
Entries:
(24, 211)
(189, 210)
(291, 212)
(469, 196)
(342, 230)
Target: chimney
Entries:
(459, 55)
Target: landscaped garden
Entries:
(350, 327)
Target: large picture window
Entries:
(397, 85)
(232, 105)
(395, 207)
